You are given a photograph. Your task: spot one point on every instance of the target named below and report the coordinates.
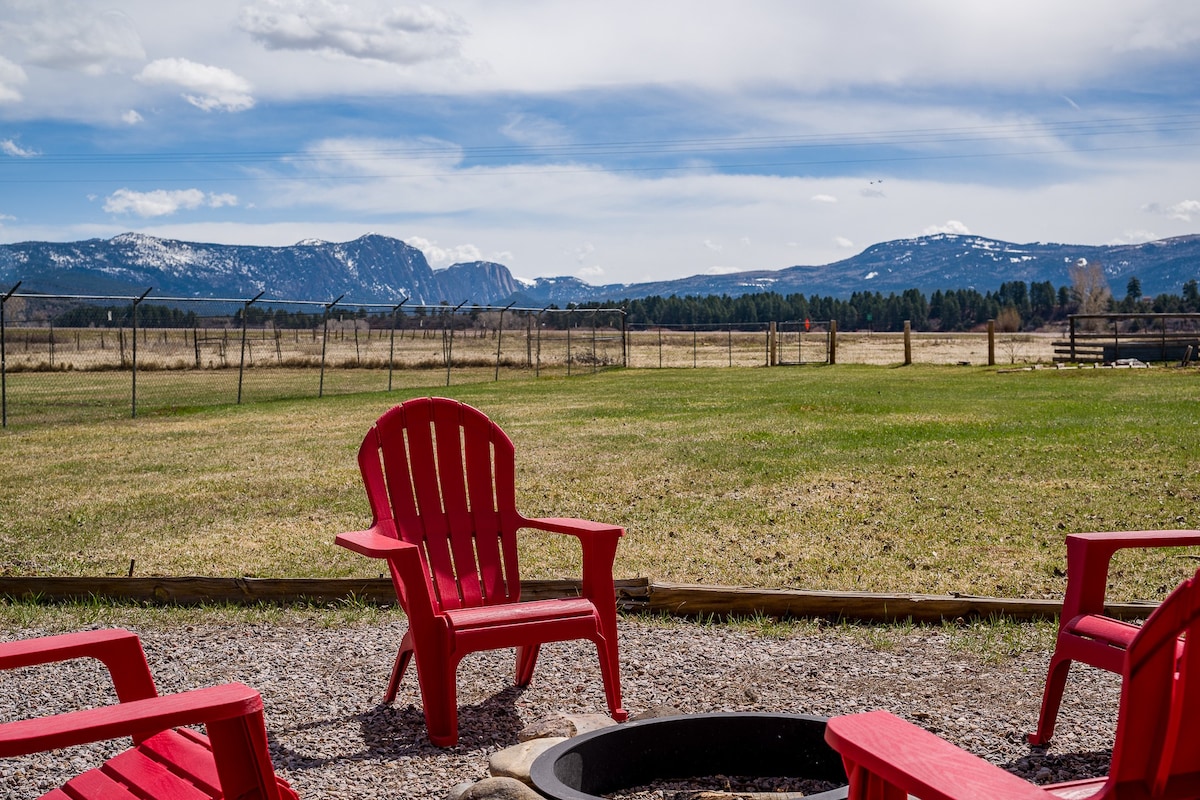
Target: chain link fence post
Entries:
(4, 359)
(242, 359)
(324, 343)
(392, 345)
(133, 389)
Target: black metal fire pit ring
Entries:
(689, 746)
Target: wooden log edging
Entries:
(195, 590)
(633, 595)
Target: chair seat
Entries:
(1104, 629)
(465, 619)
(174, 763)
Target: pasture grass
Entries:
(919, 479)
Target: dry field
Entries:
(946, 348)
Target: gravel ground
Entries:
(332, 739)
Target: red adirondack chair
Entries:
(166, 761)
(1084, 632)
(440, 478)
(1156, 753)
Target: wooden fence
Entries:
(1108, 338)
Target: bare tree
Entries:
(1089, 287)
(1008, 320)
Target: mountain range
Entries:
(379, 269)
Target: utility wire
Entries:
(565, 158)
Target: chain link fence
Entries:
(73, 357)
(70, 358)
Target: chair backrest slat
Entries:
(481, 454)
(448, 430)
(449, 475)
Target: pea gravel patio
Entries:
(322, 680)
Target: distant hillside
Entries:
(379, 269)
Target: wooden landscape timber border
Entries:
(633, 595)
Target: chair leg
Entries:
(526, 660)
(439, 698)
(610, 673)
(403, 657)
(1056, 682)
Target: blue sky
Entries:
(614, 141)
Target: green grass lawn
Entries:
(916, 479)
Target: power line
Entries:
(931, 138)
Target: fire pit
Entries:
(689, 746)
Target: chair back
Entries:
(1156, 753)
(444, 473)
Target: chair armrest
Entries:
(378, 541)
(118, 649)
(578, 528)
(413, 587)
(137, 718)
(878, 746)
(1088, 557)
(599, 544)
(1111, 541)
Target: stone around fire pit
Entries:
(689, 746)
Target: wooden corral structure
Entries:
(1151, 338)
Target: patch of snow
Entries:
(870, 275)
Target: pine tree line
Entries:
(1015, 306)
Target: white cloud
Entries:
(402, 35)
(952, 226)
(534, 130)
(373, 157)
(10, 148)
(206, 87)
(590, 274)
(824, 198)
(716, 247)
(11, 76)
(843, 242)
(582, 252)
(1182, 211)
(1134, 237)
(721, 270)
(131, 117)
(77, 38)
(825, 46)
(163, 202)
(439, 256)
(222, 200)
